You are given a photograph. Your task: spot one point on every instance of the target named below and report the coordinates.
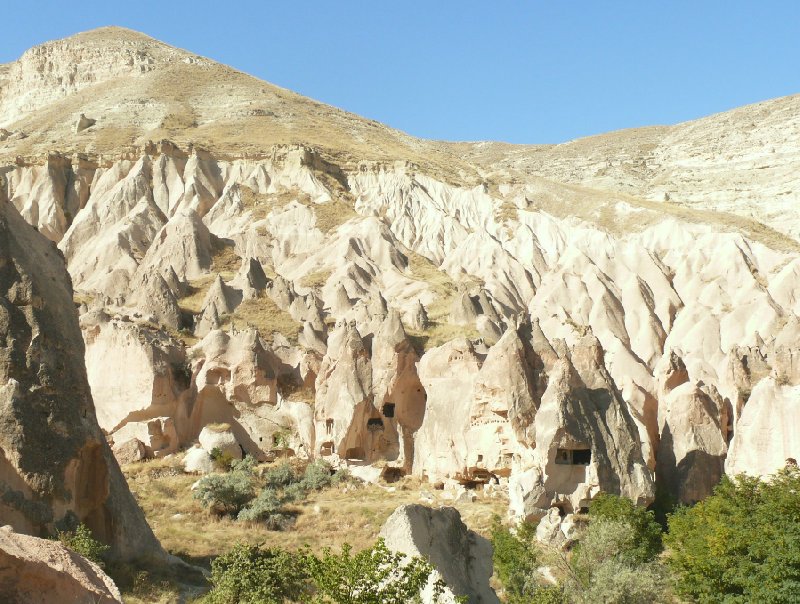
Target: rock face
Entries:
(462, 558)
(56, 466)
(33, 570)
(555, 320)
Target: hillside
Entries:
(611, 314)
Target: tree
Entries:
(646, 543)
(252, 574)
(606, 567)
(741, 544)
(373, 576)
(516, 559)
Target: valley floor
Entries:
(350, 513)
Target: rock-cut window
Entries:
(574, 457)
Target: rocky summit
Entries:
(615, 314)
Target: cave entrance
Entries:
(326, 449)
(328, 426)
(573, 457)
(374, 424)
(355, 454)
(388, 410)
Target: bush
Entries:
(318, 475)
(373, 576)
(228, 493)
(251, 574)
(516, 560)
(605, 567)
(741, 544)
(646, 531)
(82, 541)
(223, 461)
(280, 476)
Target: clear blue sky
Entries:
(521, 71)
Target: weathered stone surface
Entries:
(462, 558)
(33, 571)
(55, 464)
(129, 451)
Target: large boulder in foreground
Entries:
(462, 558)
(56, 468)
(35, 571)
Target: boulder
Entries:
(220, 437)
(198, 461)
(158, 435)
(35, 571)
(462, 558)
(129, 451)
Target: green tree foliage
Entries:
(646, 543)
(252, 574)
(373, 576)
(228, 493)
(606, 567)
(83, 542)
(516, 558)
(741, 544)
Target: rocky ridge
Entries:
(535, 316)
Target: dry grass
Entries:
(198, 290)
(225, 261)
(353, 514)
(263, 314)
(317, 279)
(440, 330)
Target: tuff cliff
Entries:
(607, 314)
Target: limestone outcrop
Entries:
(57, 468)
(462, 558)
(33, 570)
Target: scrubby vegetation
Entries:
(236, 493)
(742, 544)
(376, 575)
(83, 542)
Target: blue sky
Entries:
(523, 72)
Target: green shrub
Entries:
(605, 567)
(319, 475)
(228, 493)
(741, 544)
(280, 476)
(373, 576)
(83, 542)
(252, 574)
(516, 560)
(223, 461)
(646, 531)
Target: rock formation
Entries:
(538, 318)
(57, 469)
(31, 568)
(462, 558)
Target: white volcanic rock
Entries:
(462, 558)
(221, 300)
(198, 461)
(158, 435)
(135, 372)
(459, 240)
(766, 434)
(219, 437)
(236, 381)
(34, 570)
